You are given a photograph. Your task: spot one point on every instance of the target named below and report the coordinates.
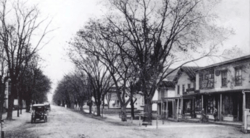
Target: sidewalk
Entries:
(197, 120)
(173, 123)
(16, 121)
(170, 122)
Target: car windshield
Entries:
(38, 108)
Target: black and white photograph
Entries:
(125, 68)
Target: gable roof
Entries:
(189, 70)
(172, 75)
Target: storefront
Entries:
(228, 105)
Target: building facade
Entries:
(185, 83)
(222, 86)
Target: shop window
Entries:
(228, 105)
(224, 78)
(198, 105)
(238, 76)
(247, 100)
(210, 105)
(187, 106)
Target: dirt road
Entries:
(66, 123)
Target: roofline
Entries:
(226, 62)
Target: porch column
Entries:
(173, 108)
(181, 106)
(177, 111)
(220, 110)
(218, 106)
(202, 102)
(167, 109)
(193, 108)
(243, 109)
(162, 108)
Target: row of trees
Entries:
(21, 36)
(71, 90)
(89, 84)
(135, 44)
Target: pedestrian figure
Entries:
(215, 114)
(204, 117)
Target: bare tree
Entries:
(159, 35)
(3, 79)
(90, 41)
(100, 80)
(18, 37)
(77, 81)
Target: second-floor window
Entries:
(224, 78)
(178, 89)
(207, 79)
(183, 88)
(238, 76)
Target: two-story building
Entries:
(164, 100)
(185, 83)
(226, 87)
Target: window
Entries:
(189, 85)
(183, 88)
(207, 79)
(238, 76)
(224, 78)
(178, 89)
(210, 104)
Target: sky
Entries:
(68, 16)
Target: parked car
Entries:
(39, 111)
(47, 105)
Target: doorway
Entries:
(170, 109)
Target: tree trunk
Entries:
(90, 109)
(11, 98)
(132, 107)
(62, 103)
(2, 88)
(98, 110)
(148, 110)
(28, 105)
(123, 113)
(18, 102)
(21, 105)
(10, 106)
(81, 106)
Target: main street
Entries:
(68, 123)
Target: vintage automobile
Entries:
(47, 105)
(39, 111)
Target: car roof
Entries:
(37, 105)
